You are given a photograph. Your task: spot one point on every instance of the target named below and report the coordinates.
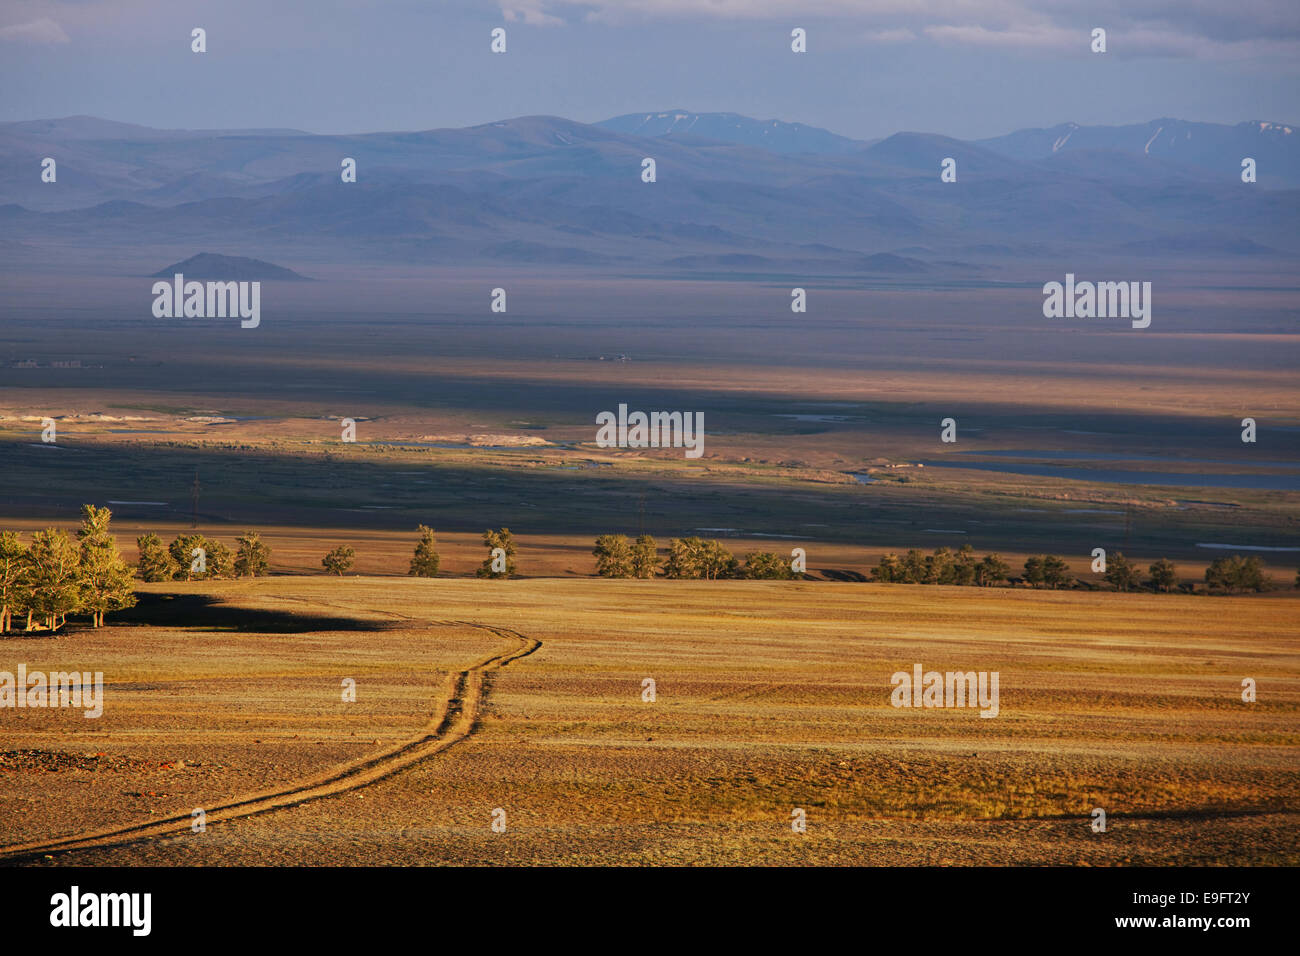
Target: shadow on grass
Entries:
(207, 613)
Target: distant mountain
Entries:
(209, 265)
(773, 135)
(548, 192)
(1214, 150)
(92, 127)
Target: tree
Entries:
(685, 558)
(1056, 572)
(889, 570)
(1235, 574)
(156, 562)
(1034, 574)
(338, 560)
(992, 571)
(913, 567)
(645, 557)
(221, 562)
(716, 562)
(13, 577)
(963, 566)
(1250, 574)
(54, 578)
(1164, 576)
(252, 558)
(938, 567)
(425, 562)
(1121, 572)
(188, 564)
(504, 540)
(613, 556)
(105, 577)
(764, 565)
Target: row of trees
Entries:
(617, 557)
(192, 557)
(1228, 574)
(943, 567)
(54, 576)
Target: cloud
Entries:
(1198, 29)
(42, 31)
(529, 12)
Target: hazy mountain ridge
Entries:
(549, 190)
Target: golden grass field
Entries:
(771, 696)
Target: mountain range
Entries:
(731, 193)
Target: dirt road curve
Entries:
(452, 722)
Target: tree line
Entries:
(688, 558)
(1224, 575)
(54, 576)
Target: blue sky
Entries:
(966, 68)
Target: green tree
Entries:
(764, 565)
(156, 562)
(425, 562)
(992, 571)
(252, 557)
(106, 578)
(492, 540)
(1121, 572)
(338, 560)
(1164, 576)
(716, 562)
(613, 556)
(54, 577)
(1034, 570)
(913, 567)
(1056, 572)
(188, 564)
(939, 567)
(13, 577)
(221, 563)
(685, 558)
(1235, 574)
(963, 566)
(645, 557)
(889, 570)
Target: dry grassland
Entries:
(771, 696)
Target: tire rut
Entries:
(451, 722)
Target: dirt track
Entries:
(451, 722)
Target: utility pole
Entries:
(641, 509)
(1128, 524)
(194, 501)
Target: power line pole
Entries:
(194, 501)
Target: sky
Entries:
(963, 68)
